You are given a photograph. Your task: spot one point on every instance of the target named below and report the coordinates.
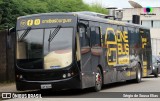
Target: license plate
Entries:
(46, 86)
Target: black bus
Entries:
(76, 51)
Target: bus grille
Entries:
(42, 77)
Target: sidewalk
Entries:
(7, 87)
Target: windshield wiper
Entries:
(52, 35)
(25, 33)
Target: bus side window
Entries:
(95, 36)
(84, 37)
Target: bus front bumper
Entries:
(69, 83)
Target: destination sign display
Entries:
(45, 21)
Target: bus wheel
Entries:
(156, 73)
(98, 80)
(138, 74)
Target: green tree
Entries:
(34, 6)
(5, 13)
(11, 9)
(98, 8)
(66, 5)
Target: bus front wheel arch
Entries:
(98, 79)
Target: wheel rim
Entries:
(98, 80)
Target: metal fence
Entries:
(155, 46)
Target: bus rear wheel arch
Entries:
(156, 73)
(138, 73)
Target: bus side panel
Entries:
(135, 49)
(110, 52)
(104, 63)
(95, 46)
(146, 51)
(123, 66)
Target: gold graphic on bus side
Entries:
(130, 73)
(111, 46)
(144, 42)
(144, 68)
(117, 46)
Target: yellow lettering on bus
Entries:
(127, 49)
(144, 42)
(123, 49)
(123, 60)
(118, 34)
(122, 37)
(125, 36)
(144, 68)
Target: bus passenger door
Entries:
(96, 50)
(85, 52)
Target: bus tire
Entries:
(156, 73)
(138, 74)
(98, 80)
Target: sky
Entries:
(124, 3)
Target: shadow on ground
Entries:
(152, 76)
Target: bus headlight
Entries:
(69, 74)
(19, 77)
(64, 76)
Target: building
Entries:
(149, 17)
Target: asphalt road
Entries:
(123, 90)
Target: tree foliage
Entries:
(11, 9)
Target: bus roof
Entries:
(104, 20)
(80, 15)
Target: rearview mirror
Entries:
(11, 31)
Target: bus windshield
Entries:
(44, 48)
